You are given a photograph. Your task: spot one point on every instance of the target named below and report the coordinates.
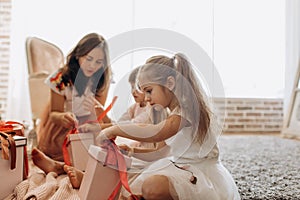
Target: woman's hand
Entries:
(89, 128)
(67, 119)
(91, 103)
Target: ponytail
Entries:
(184, 68)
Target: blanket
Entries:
(40, 186)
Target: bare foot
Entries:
(45, 163)
(75, 176)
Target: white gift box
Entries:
(10, 178)
(78, 149)
(99, 181)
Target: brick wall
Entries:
(246, 115)
(5, 19)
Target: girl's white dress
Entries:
(202, 161)
(137, 114)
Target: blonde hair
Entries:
(192, 98)
(132, 75)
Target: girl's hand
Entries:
(67, 120)
(88, 128)
(105, 134)
(127, 150)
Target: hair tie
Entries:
(174, 60)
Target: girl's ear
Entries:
(171, 83)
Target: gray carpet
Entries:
(263, 166)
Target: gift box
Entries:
(15, 128)
(12, 127)
(78, 146)
(10, 175)
(99, 180)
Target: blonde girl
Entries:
(194, 170)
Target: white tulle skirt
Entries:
(213, 180)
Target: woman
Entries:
(78, 93)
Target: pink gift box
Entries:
(10, 178)
(78, 149)
(99, 181)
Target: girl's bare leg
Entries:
(45, 163)
(158, 187)
(75, 176)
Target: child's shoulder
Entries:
(176, 111)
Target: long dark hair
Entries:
(72, 71)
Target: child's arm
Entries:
(159, 145)
(93, 127)
(135, 150)
(146, 154)
(105, 125)
(89, 128)
(145, 132)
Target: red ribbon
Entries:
(65, 145)
(113, 157)
(10, 126)
(104, 113)
(116, 158)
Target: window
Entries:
(244, 38)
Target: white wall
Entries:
(62, 23)
(292, 47)
(249, 47)
(237, 35)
